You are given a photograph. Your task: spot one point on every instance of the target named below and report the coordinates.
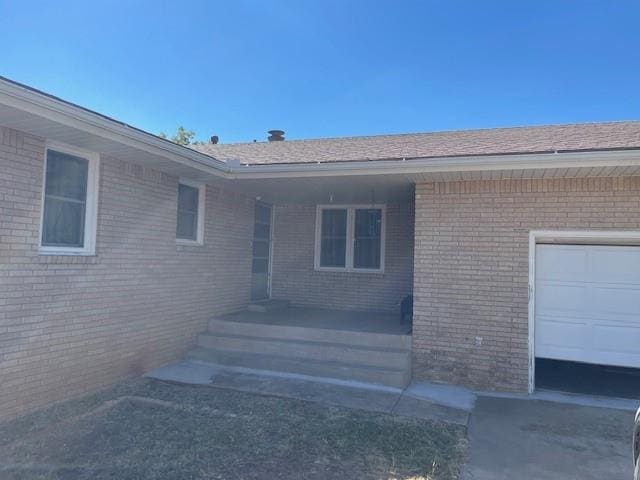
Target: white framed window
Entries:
(350, 238)
(69, 201)
(191, 215)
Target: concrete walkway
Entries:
(452, 408)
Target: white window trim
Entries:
(91, 205)
(202, 188)
(351, 209)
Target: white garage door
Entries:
(587, 304)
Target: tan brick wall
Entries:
(294, 277)
(71, 325)
(471, 268)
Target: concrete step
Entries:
(313, 350)
(346, 337)
(268, 305)
(393, 377)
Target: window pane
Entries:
(368, 222)
(333, 253)
(333, 238)
(66, 176)
(187, 228)
(65, 196)
(366, 253)
(187, 198)
(63, 223)
(367, 245)
(334, 223)
(187, 225)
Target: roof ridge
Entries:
(434, 132)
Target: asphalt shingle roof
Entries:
(515, 140)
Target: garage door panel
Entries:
(616, 264)
(559, 353)
(615, 301)
(556, 297)
(587, 304)
(556, 332)
(561, 263)
(620, 339)
(609, 358)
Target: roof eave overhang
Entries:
(604, 158)
(59, 111)
(64, 113)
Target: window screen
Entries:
(65, 200)
(333, 248)
(187, 228)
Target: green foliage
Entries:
(182, 137)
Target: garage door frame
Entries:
(585, 237)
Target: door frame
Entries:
(270, 260)
(270, 264)
(563, 237)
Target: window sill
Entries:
(189, 243)
(67, 259)
(349, 270)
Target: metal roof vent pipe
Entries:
(275, 135)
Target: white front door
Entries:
(587, 304)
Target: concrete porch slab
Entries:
(354, 321)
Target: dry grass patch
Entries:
(152, 430)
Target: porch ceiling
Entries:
(351, 189)
(397, 187)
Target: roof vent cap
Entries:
(214, 139)
(275, 135)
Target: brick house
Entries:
(118, 248)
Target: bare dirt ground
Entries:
(146, 429)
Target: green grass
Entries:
(152, 430)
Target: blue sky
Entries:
(330, 68)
